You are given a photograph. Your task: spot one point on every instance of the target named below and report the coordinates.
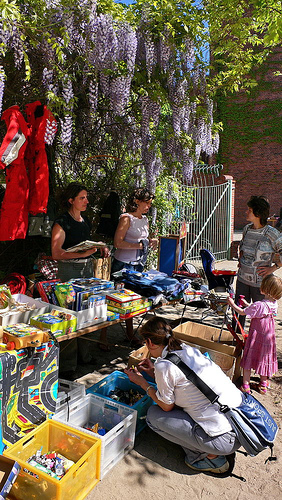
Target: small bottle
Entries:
(59, 468)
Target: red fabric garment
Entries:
(36, 158)
(14, 213)
(16, 282)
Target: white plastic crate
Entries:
(13, 317)
(68, 392)
(86, 317)
(119, 421)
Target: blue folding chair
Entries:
(218, 280)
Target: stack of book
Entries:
(127, 303)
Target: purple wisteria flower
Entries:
(66, 129)
(2, 86)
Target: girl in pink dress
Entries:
(260, 348)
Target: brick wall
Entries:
(251, 143)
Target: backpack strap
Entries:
(193, 377)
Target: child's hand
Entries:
(244, 303)
(230, 301)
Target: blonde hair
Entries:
(272, 286)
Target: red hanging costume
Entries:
(39, 118)
(14, 212)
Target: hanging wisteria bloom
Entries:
(4, 35)
(17, 46)
(48, 81)
(67, 91)
(105, 44)
(50, 132)
(187, 166)
(215, 143)
(66, 129)
(135, 89)
(2, 86)
(150, 54)
(127, 46)
(164, 52)
(93, 95)
(119, 93)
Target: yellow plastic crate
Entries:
(77, 446)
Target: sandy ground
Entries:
(155, 468)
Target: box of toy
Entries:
(87, 299)
(87, 317)
(117, 387)
(112, 316)
(20, 335)
(125, 308)
(124, 296)
(90, 284)
(57, 322)
(9, 470)
(112, 422)
(46, 290)
(20, 309)
(65, 295)
(80, 463)
(140, 310)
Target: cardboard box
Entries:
(226, 356)
(9, 470)
(213, 338)
(102, 268)
(84, 450)
(138, 355)
(10, 318)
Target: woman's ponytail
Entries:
(160, 333)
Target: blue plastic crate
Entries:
(119, 380)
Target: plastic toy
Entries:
(22, 336)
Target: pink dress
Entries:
(260, 349)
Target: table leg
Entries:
(129, 328)
(103, 337)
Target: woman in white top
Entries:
(182, 414)
(132, 234)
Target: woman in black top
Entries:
(70, 229)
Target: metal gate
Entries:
(209, 220)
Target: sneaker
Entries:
(216, 465)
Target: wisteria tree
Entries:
(132, 87)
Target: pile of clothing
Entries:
(157, 286)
